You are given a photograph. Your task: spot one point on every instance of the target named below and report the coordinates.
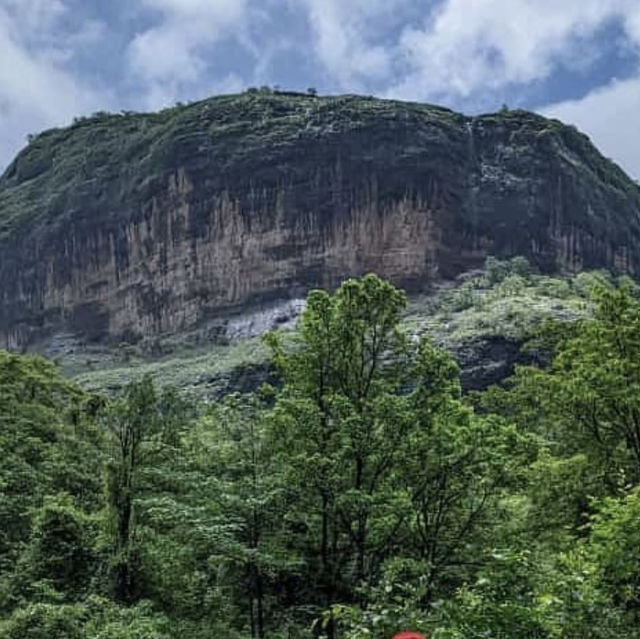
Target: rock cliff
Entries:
(134, 224)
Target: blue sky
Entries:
(578, 60)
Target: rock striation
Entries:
(134, 224)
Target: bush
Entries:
(495, 270)
(60, 547)
(458, 299)
(552, 287)
(44, 621)
(97, 618)
(587, 283)
(520, 265)
(511, 285)
(624, 281)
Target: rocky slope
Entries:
(128, 225)
(483, 319)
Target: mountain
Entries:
(130, 225)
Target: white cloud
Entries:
(33, 17)
(36, 91)
(467, 47)
(171, 55)
(609, 116)
(343, 42)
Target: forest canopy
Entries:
(359, 495)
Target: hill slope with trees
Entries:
(360, 494)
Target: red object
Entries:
(408, 635)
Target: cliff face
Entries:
(120, 226)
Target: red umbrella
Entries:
(408, 635)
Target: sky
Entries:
(577, 60)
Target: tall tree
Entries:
(383, 457)
(248, 489)
(345, 362)
(141, 425)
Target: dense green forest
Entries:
(361, 494)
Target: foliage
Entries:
(613, 545)
(48, 444)
(362, 494)
(95, 619)
(381, 474)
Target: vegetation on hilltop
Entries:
(130, 151)
(362, 495)
(59, 167)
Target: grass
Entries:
(202, 375)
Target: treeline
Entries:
(363, 495)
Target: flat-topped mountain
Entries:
(134, 224)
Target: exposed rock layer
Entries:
(127, 225)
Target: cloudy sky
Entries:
(578, 60)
